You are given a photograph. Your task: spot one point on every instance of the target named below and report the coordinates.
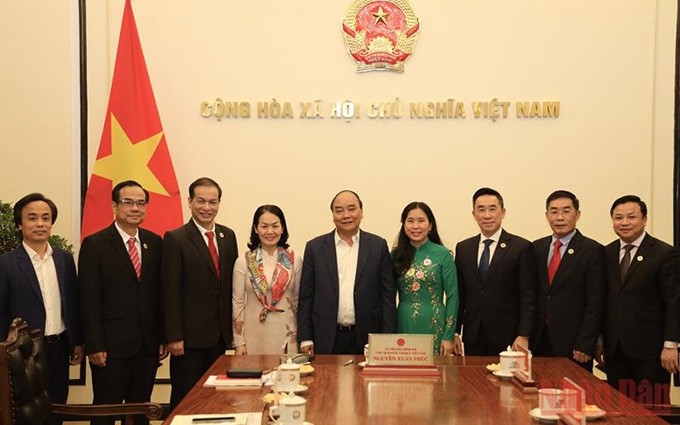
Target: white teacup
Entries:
(287, 377)
(366, 353)
(550, 400)
(512, 361)
(290, 410)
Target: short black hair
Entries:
(629, 198)
(487, 191)
(255, 239)
(115, 193)
(559, 194)
(204, 181)
(32, 197)
(361, 204)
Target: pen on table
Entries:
(214, 419)
(348, 362)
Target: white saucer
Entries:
(300, 389)
(502, 375)
(537, 415)
(362, 364)
(590, 415)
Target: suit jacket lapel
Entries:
(362, 258)
(640, 254)
(24, 262)
(119, 248)
(542, 250)
(330, 254)
(568, 258)
(222, 246)
(471, 261)
(195, 236)
(60, 267)
(499, 252)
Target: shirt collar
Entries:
(34, 255)
(636, 243)
(355, 238)
(203, 229)
(564, 239)
(495, 237)
(124, 235)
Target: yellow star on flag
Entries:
(380, 15)
(129, 161)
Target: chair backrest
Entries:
(24, 398)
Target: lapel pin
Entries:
(221, 234)
(503, 245)
(570, 251)
(145, 247)
(640, 258)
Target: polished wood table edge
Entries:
(547, 373)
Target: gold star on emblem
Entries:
(380, 15)
(129, 161)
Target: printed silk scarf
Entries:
(283, 274)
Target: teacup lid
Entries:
(512, 354)
(291, 399)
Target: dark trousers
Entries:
(346, 342)
(642, 380)
(186, 370)
(128, 379)
(481, 347)
(542, 347)
(58, 357)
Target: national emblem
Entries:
(380, 35)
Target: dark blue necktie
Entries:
(484, 259)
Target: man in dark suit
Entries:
(347, 289)
(119, 281)
(38, 284)
(496, 283)
(642, 323)
(198, 260)
(572, 285)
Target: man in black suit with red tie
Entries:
(572, 285)
(119, 282)
(642, 325)
(38, 284)
(198, 262)
(496, 283)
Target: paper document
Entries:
(251, 418)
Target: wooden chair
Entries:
(24, 399)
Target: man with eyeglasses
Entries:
(198, 261)
(119, 283)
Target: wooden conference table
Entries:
(466, 393)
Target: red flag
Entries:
(132, 145)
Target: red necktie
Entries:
(554, 261)
(134, 257)
(213, 251)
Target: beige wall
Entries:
(610, 64)
(597, 58)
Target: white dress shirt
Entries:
(347, 257)
(127, 237)
(205, 238)
(49, 288)
(492, 247)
